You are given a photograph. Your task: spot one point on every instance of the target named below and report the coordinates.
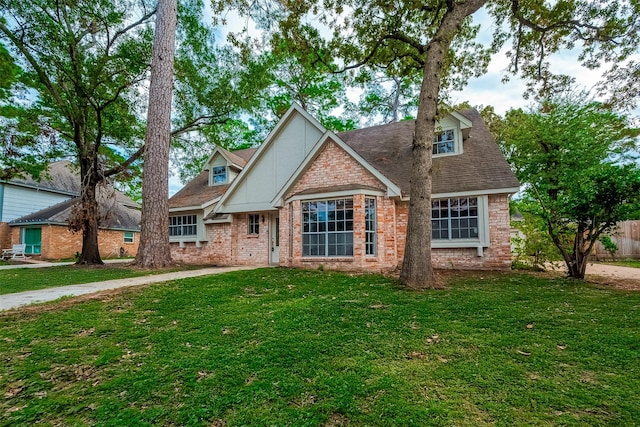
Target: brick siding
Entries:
(58, 242)
(229, 244)
(5, 235)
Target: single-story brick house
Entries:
(36, 213)
(309, 197)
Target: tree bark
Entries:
(154, 250)
(417, 269)
(88, 217)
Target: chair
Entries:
(16, 252)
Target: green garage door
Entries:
(33, 240)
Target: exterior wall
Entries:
(21, 201)
(334, 167)
(228, 244)
(59, 242)
(495, 257)
(5, 235)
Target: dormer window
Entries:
(219, 175)
(445, 142)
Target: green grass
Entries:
(28, 279)
(278, 347)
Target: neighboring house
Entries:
(36, 213)
(308, 197)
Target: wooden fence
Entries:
(627, 238)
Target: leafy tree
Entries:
(86, 62)
(85, 65)
(436, 39)
(154, 249)
(387, 99)
(573, 159)
(533, 248)
(17, 155)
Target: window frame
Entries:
(331, 232)
(183, 225)
(456, 142)
(253, 224)
(128, 235)
(214, 175)
(483, 224)
(370, 227)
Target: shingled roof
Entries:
(60, 177)
(480, 167)
(121, 212)
(197, 192)
(387, 148)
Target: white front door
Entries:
(274, 237)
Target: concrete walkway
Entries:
(19, 299)
(42, 264)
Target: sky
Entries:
(482, 91)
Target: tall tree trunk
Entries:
(417, 270)
(89, 223)
(154, 250)
(85, 215)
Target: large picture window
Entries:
(370, 226)
(327, 228)
(183, 225)
(454, 218)
(444, 143)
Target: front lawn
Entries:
(29, 279)
(289, 347)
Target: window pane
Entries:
(455, 218)
(327, 227)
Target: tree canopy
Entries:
(84, 67)
(575, 161)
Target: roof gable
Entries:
(315, 155)
(273, 163)
(231, 158)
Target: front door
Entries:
(274, 236)
(33, 239)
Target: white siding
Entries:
(275, 165)
(21, 201)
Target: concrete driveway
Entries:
(19, 299)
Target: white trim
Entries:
(335, 194)
(212, 183)
(295, 108)
(464, 122)
(392, 189)
(511, 190)
(484, 231)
